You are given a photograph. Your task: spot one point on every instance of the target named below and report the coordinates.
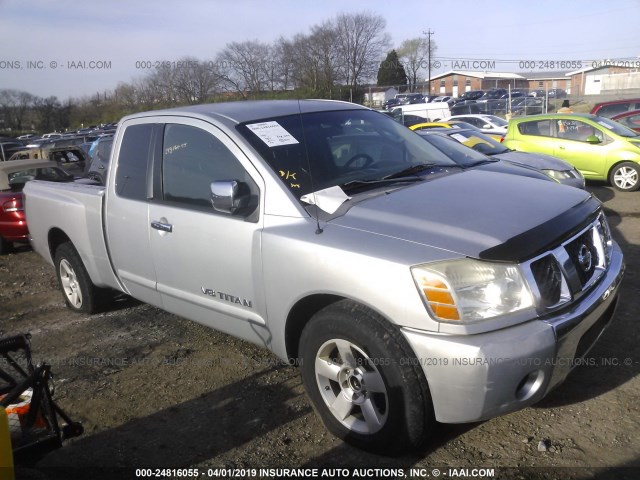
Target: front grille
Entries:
(584, 256)
(565, 272)
(546, 272)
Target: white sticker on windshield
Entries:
(459, 137)
(610, 127)
(272, 133)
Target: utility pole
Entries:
(428, 33)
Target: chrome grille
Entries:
(566, 272)
(546, 272)
(584, 256)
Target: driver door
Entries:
(208, 263)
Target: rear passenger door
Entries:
(207, 262)
(536, 136)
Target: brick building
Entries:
(456, 82)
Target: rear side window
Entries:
(540, 128)
(131, 177)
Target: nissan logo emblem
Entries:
(584, 258)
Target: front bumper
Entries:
(476, 377)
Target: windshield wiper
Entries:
(413, 169)
(481, 162)
(380, 181)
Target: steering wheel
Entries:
(367, 160)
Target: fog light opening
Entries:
(529, 385)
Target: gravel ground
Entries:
(155, 390)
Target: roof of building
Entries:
(482, 75)
(592, 68)
(558, 75)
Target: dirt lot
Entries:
(155, 390)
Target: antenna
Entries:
(306, 152)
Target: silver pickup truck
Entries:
(409, 289)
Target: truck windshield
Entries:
(314, 151)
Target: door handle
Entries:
(561, 147)
(163, 227)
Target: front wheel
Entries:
(358, 371)
(625, 177)
(80, 294)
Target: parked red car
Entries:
(615, 107)
(629, 119)
(13, 176)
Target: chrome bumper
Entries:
(476, 377)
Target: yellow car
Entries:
(450, 124)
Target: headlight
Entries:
(468, 291)
(605, 237)
(559, 175)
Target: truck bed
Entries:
(75, 211)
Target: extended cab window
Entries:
(192, 159)
(131, 177)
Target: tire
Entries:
(80, 294)
(358, 371)
(5, 246)
(625, 177)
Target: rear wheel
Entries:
(80, 294)
(625, 177)
(358, 371)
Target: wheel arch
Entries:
(305, 308)
(617, 162)
(55, 238)
(299, 316)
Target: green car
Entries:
(600, 148)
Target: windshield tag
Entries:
(328, 199)
(272, 133)
(458, 136)
(610, 127)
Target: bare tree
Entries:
(314, 58)
(46, 109)
(362, 43)
(283, 55)
(15, 104)
(125, 94)
(242, 66)
(414, 54)
(194, 81)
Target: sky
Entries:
(69, 48)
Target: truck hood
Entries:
(476, 213)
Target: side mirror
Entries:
(592, 139)
(228, 196)
(486, 125)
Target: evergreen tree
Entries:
(391, 71)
